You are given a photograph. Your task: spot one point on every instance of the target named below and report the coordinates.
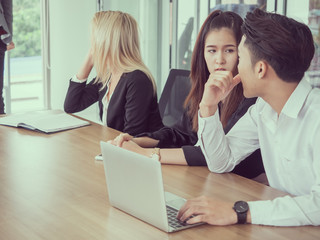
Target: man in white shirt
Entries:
(274, 53)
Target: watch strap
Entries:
(241, 208)
(242, 218)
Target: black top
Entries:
(182, 135)
(133, 107)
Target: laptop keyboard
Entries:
(172, 218)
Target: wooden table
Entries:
(52, 188)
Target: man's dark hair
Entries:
(284, 43)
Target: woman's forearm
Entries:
(173, 156)
(146, 142)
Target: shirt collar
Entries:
(297, 99)
(290, 109)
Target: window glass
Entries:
(238, 6)
(25, 76)
(309, 14)
(314, 24)
(185, 32)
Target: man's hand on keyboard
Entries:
(208, 210)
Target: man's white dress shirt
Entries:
(290, 149)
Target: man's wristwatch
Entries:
(241, 208)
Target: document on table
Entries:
(48, 121)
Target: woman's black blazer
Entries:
(133, 107)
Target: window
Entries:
(185, 32)
(314, 24)
(309, 14)
(23, 70)
(238, 6)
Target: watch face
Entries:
(241, 207)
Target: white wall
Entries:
(146, 14)
(69, 43)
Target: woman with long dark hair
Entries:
(215, 52)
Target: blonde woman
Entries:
(124, 87)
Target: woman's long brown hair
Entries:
(199, 71)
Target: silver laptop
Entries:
(135, 186)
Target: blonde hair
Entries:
(115, 45)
